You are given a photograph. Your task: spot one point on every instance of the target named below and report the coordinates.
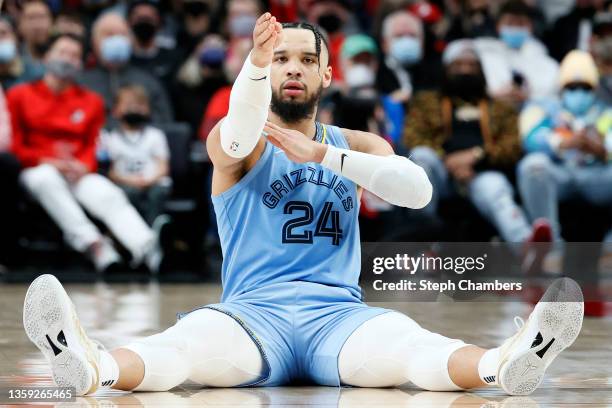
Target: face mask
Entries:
(116, 49)
(242, 25)
(135, 119)
(144, 31)
(578, 101)
(62, 69)
(195, 8)
(212, 57)
(514, 37)
(330, 22)
(469, 87)
(359, 75)
(407, 50)
(8, 50)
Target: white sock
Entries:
(487, 366)
(108, 369)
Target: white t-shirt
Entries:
(135, 153)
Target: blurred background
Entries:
(106, 105)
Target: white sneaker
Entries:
(103, 254)
(553, 326)
(51, 323)
(155, 254)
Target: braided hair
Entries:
(319, 37)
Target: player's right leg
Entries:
(206, 346)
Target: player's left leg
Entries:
(391, 349)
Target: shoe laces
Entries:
(519, 322)
(520, 325)
(92, 350)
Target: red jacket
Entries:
(49, 125)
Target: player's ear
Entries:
(327, 77)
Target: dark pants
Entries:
(149, 201)
(10, 195)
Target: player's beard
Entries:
(291, 111)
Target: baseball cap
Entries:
(356, 44)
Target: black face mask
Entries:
(144, 31)
(330, 22)
(196, 8)
(469, 87)
(135, 119)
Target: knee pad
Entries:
(206, 346)
(227, 356)
(392, 349)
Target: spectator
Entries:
(602, 51)
(517, 66)
(112, 48)
(568, 143)
(9, 172)
(145, 20)
(13, 68)
(138, 153)
(217, 107)
(404, 69)
(356, 103)
(466, 142)
(198, 79)
(198, 18)
(573, 30)
(472, 19)
(35, 21)
(402, 72)
(241, 17)
(69, 23)
(333, 16)
(55, 126)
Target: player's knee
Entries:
(227, 356)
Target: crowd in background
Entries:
(506, 104)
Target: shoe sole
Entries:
(47, 311)
(559, 324)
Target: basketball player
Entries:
(285, 191)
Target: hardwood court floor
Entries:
(115, 314)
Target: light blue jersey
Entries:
(289, 222)
(291, 262)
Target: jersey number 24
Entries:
(322, 229)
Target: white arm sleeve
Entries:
(248, 110)
(393, 178)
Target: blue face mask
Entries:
(116, 49)
(407, 50)
(514, 37)
(242, 25)
(8, 51)
(578, 101)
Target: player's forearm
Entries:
(248, 110)
(393, 178)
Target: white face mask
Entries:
(359, 75)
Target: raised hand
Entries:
(297, 146)
(266, 36)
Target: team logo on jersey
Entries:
(77, 116)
